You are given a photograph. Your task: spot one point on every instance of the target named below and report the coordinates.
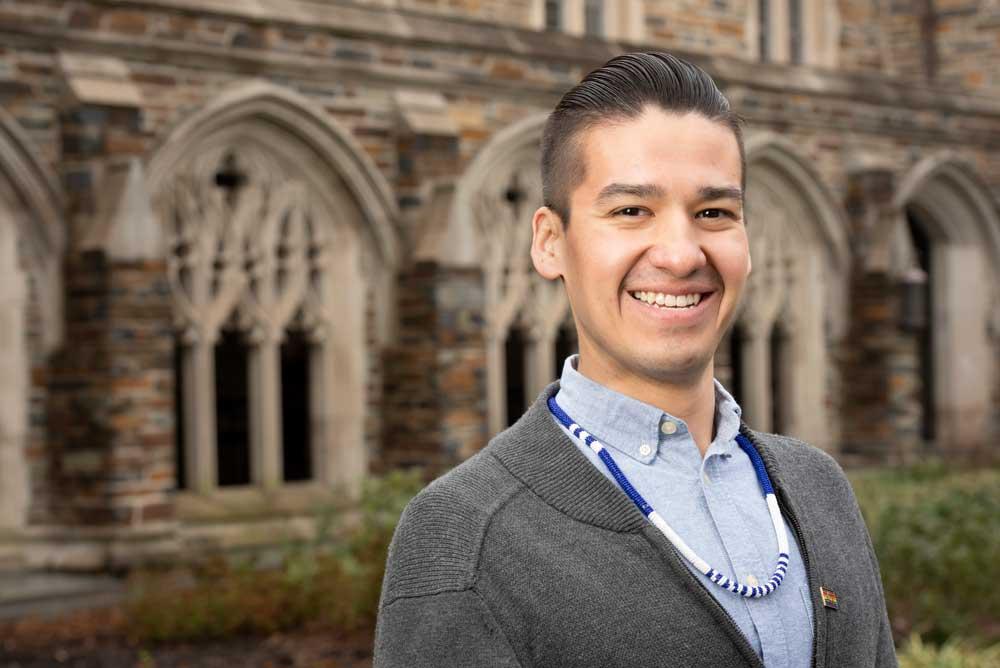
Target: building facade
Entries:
(252, 251)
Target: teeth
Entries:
(663, 300)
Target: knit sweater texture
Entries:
(507, 561)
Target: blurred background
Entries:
(264, 271)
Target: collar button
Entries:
(645, 450)
(668, 427)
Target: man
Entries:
(627, 519)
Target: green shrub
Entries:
(334, 580)
(937, 536)
(953, 654)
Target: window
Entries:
(553, 15)
(764, 29)
(795, 31)
(249, 262)
(799, 32)
(593, 18)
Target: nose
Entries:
(677, 246)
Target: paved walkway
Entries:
(43, 594)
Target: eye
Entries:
(630, 211)
(715, 214)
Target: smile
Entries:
(667, 301)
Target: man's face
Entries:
(656, 256)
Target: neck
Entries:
(692, 401)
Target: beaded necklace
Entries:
(700, 564)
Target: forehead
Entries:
(670, 150)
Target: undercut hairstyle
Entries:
(618, 91)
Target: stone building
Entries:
(251, 250)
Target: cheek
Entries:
(597, 266)
(732, 260)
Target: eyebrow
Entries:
(638, 190)
(721, 192)
(650, 191)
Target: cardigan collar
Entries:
(536, 451)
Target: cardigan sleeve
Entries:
(438, 630)
(885, 651)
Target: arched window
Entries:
(795, 295)
(248, 264)
(952, 230)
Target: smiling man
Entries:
(629, 518)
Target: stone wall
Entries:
(421, 87)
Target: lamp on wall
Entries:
(913, 300)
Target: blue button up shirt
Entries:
(714, 503)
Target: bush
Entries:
(326, 581)
(954, 654)
(937, 536)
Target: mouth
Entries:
(669, 302)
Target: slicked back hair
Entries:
(620, 90)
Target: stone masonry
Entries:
(379, 110)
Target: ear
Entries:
(547, 237)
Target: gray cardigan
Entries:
(504, 561)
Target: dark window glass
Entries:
(594, 18)
(232, 409)
(566, 345)
(179, 460)
(736, 340)
(516, 391)
(296, 428)
(764, 29)
(795, 31)
(553, 15)
(780, 396)
(922, 244)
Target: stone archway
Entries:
(278, 226)
(957, 213)
(32, 241)
(797, 288)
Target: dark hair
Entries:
(620, 90)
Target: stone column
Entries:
(14, 484)
(200, 456)
(756, 397)
(265, 412)
(112, 383)
(879, 368)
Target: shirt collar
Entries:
(633, 427)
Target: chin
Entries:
(675, 368)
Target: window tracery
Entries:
(248, 255)
(517, 299)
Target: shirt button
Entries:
(669, 427)
(752, 581)
(704, 476)
(645, 450)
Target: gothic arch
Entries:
(264, 105)
(32, 240)
(34, 204)
(798, 285)
(276, 222)
(490, 227)
(962, 219)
